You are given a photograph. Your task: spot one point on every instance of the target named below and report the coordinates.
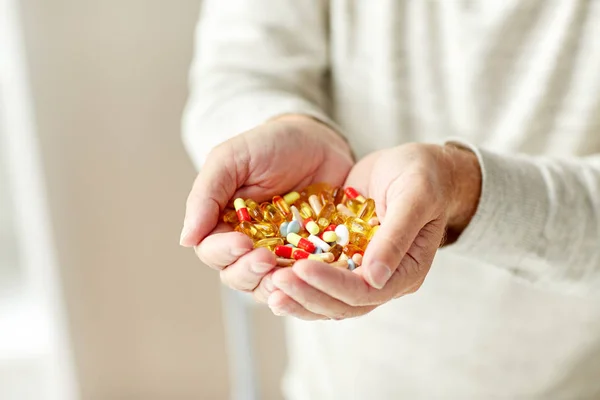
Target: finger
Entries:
(212, 189)
(313, 299)
(360, 174)
(265, 288)
(403, 220)
(222, 248)
(281, 304)
(245, 274)
(346, 286)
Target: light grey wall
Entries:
(109, 84)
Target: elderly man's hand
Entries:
(282, 155)
(421, 191)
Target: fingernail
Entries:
(260, 268)
(378, 275)
(184, 233)
(239, 252)
(278, 311)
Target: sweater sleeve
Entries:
(539, 219)
(255, 60)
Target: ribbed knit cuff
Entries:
(507, 228)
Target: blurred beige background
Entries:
(109, 81)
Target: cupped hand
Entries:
(282, 155)
(421, 191)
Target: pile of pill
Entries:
(333, 225)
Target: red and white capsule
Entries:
(320, 243)
(291, 252)
(354, 194)
(300, 242)
(241, 210)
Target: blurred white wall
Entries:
(109, 81)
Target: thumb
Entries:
(213, 188)
(403, 220)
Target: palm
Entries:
(384, 176)
(280, 158)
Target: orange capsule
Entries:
(338, 195)
(316, 188)
(336, 250)
(359, 240)
(281, 205)
(351, 249)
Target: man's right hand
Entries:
(282, 155)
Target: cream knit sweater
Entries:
(511, 311)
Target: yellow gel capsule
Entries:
(281, 205)
(272, 214)
(325, 197)
(354, 205)
(269, 243)
(338, 219)
(291, 197)
(324, 217)
(367, 210)
(359, 240)
(372, 232)
(268, 229)
(306, 211)
(249, 230)
(254, 210)
(230, 217)
(358, 226)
